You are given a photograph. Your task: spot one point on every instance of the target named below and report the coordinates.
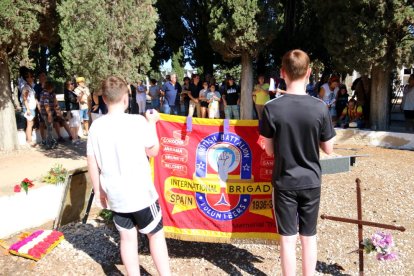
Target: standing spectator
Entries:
(82, 91)
(39, 87)
(170, 89)
(99, 107)
(28, 98)
(341, 100)
(141, 97)
(42, 77)
(154, 93)
(195, 87)
(408, 104)
(310, 87)
(328, 92)
(21, 82)
(260, 95)
(231, 100)
(133, 106)
(295, 126)
(203, 99)
(117, 151)
(184, 103)
(213, 99)
(72, 107)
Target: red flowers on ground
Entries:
(25, 185)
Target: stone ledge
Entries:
(394, 140)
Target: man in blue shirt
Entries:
(169, 90)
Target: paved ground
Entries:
(33, 163)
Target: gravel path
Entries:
(387, 197)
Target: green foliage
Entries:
(100, 38)
(221, 71)
(238, 26)
(366, 33)
(106, 215)
(18, 21)
(57, 174)
(177, 64)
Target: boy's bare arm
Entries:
(268, 146)
(152, 117)
(94, 174)
(327, 146)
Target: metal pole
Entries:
(360, 234)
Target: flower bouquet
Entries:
(381, 243)
(57, 174)
(25, 185)
(34, 246)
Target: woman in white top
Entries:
(408, 104)
(328, 92)
(29, 105)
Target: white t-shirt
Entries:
(83, 104)
(330, 95)
(118, 142)
(31, 99)
(408, 99)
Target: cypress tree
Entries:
(101, 38)
(241, 29)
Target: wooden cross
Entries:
(360, 223)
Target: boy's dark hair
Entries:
(295, 64)
(153, 81)
(113, 89)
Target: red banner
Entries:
(214, 180)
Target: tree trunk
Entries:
(43, 59)
(379, 98)
(8, 129)
(246, 102)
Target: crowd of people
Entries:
(204, 98)
(42, 111)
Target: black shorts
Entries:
(204, 104)
(293, 207)
(148, 220)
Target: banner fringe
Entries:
(192, 238)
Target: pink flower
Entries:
(387, 257)
(17, 188)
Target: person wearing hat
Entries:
(82, 92)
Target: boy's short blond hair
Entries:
(113, 89)
(295, 64)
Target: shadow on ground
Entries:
(227, 257)
(101, 243)
(330, 269)
(66, 150)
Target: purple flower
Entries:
(387, 257)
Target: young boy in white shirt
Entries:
(117, 151)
